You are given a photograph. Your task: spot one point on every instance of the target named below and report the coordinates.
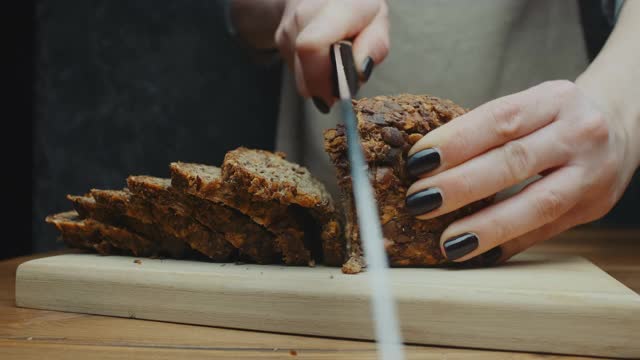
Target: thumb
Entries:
(337, 20)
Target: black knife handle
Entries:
(351, 72)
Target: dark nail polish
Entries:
(492, 256)
(423, 201)
(423, 162)
(367, 68)
(459, 246)
(320, 105)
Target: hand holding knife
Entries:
(387, 329)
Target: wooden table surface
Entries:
(38, 334)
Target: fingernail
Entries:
(492, 256)
(459, 246)
(320, 105)
(423, 201)
(367, 68)
(423, 162)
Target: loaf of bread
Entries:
(388, 127)
(258, 208)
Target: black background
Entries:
(18, 105)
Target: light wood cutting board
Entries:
(537, 302)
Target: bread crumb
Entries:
(30, 338)
(138, 261)
(276, 349)
(353, 266)
(330, 276)
(293, 352)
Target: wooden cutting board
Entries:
(537, 302)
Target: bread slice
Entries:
(93, 235)
(269, 176)
(123, 214)
(285, 222)
(389, 126)
(249, 238)
(210, 243)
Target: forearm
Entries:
(613, 79)
(256, 21)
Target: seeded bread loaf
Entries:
(388, 126)
(93, 235)
(259, 207)
(251, 240)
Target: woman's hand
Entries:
(584, 154)
(582, 138)
(309, 27)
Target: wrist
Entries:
(618, 104)
(612, 79)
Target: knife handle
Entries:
(345, 49)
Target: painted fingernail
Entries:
(320, 105)
(492, 256)
(459, 246)
(423, 201)
(423, 162)
(367, 68)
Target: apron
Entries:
(467, 51)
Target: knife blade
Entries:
(384, 312)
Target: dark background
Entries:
(126, 87)
(102, 89)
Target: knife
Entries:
(387, 329)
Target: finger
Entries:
(282, 39)
(337, 20)
(538, 204)
(581, 213)
(522, 243)
(285, 44)
(296, 16)
(488, 126)
(299, 76)
(371, 46)
(488, 173)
